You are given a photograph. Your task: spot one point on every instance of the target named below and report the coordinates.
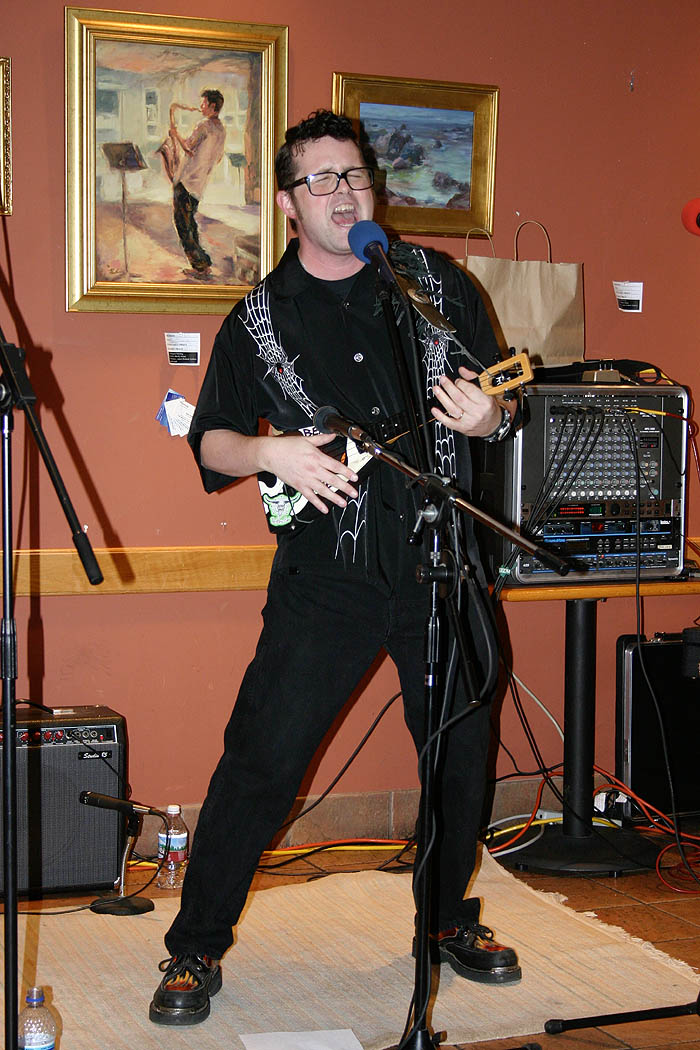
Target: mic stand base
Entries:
(609, 851)
(557, 1025)
(420, 1040)
(427, 1042)
(118, 903)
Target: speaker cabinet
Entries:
(639, 756)
(61, 843)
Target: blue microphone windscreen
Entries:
(364, 233)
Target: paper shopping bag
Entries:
(534, 305)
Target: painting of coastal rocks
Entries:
(435, 148)
(425, 154)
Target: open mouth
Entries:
(344, 215)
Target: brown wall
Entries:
(597, 138)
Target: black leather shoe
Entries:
(182, 997)
(472, 952)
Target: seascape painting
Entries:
(142, 92)
(425, 153)
(435, 147)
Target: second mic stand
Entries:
(16, 392)
(119, 903)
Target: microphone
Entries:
(328, 421)
(369, 243)
(122, 805)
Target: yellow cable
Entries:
(292, 850)
(547, 820)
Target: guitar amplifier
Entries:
(595, 475)
(639, 757)
(62, 844)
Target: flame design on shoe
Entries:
(182, 997)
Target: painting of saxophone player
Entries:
(191, 218)
(188, 163)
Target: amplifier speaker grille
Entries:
(61, 843)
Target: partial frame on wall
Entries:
(5, 136)
(435, 143)
(130, 78)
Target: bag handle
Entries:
(478, 229)
(544, 231)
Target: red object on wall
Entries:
(690, 216)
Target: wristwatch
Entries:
(503, 427)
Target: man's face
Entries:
(208, 109)
(323, 223)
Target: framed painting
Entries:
(5, 138)
(171, 130)
(435, 147)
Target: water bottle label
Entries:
(38, 1041)
(177, 850)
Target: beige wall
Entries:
(606, 168)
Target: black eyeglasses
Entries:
(325, 182)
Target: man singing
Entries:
(343, 585)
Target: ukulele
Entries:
(286, 510)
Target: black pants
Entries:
(319, 638)
(184, 212)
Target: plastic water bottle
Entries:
(175, 841)
(36, 1027)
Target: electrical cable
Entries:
(345, 767)
(577, 436)
(539, 703)
(630, 434)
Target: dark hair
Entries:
(317, 125)
(214, 98)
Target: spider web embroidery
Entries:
(435, 364)
(353, 521)
(258, 322)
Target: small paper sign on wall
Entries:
(182, 348)
(629, 296)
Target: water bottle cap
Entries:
(173, 809)
(35, 995)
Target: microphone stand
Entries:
(16, 391)
(422, 453)
(119, 903)
(439, 496)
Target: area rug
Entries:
(336, 954)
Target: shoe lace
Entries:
(183, 965)
(478, 930)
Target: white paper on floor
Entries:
(341, 1039)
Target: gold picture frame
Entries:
(5, 137)
(435, 143)
(130, 77)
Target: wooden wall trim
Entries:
(145, 570)
(163, 570)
